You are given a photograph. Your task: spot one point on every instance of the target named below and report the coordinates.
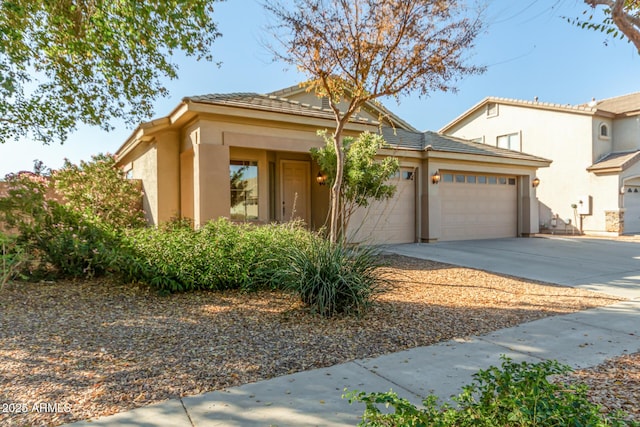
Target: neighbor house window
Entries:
(604, 131)
(492, 109)
(244, 190)
(510, 142)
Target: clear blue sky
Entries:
(529, 49)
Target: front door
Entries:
(296, 202)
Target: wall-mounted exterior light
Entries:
(321, 178)
(535, 182)
(435, 178)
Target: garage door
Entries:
(390, 221)
(632, 209)
(478, 206)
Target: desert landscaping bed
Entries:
(96, 347)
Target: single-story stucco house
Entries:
(245, 156)
(593, 185)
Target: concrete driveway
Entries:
(609, 266)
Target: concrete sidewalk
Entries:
(313, 398)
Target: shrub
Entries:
(59, 239)
(99, 189)
(220, 255)
(12, 257)
(332, 278)
(513, 395)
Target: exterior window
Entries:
(459, 178)
(244, 190)
(510, 142)
(482, 179)
(478, 140)
(408, 175)
(493, 180)
(492, 109)
(471, 179)
(129, 174)
(502, 180)
(512, 181)
(604, 131)
(447, 177)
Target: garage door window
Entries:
(478, 179)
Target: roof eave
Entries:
(143, 132)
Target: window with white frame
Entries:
(510, 141)
(244, 190)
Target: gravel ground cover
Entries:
(94, 348)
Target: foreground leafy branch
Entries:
(67, 62)
(516, 394)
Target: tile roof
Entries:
(275, 102)
(263, 102)
(615, 161)
(620, 104)
(433, 141)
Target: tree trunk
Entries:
(337, 185)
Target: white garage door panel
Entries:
(390, 221)
(632, 210)
(478, 211)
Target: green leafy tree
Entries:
(364, 179)
(361, 50)
(621, 19)
(99, 188)
(67, 62)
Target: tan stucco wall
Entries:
(168, 181)
(211, 183)
(144, 167)
(565, 138)
(312, 99)
(187, 159)
(626, 134)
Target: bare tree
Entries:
(624, 14)
(356, 51)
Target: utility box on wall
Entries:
(584, 205)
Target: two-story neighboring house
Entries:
(593, 184)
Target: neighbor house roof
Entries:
(432, 141)
(620, 105)
(615, 162)
(611, 107)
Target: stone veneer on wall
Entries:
(614, 221)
